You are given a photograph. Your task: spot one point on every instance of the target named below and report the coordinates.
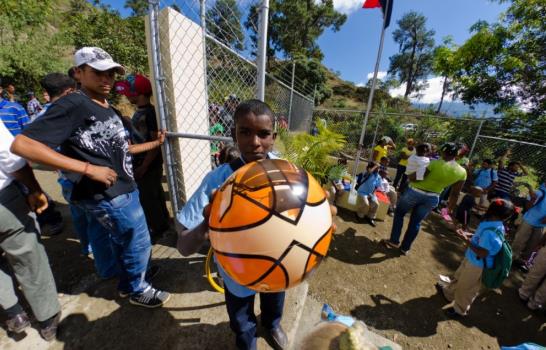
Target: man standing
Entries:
(12, 114)
(19, 239)
(33, 106)
(95, 157)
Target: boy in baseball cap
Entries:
(95, 157)
(149, 165)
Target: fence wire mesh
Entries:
(205, 68)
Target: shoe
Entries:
(150, 298)
(389, 245)
(152, 273)
(451, 313)
(278, 338)
(404, 252)
(390, 213)
(49, 332)
(53, 229)
(123, 294)
(370, 221)
(18, 323)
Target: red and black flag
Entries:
(386, 7)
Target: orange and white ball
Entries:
(270, 225)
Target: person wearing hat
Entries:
(95, 157)
(148, 166)
(33, 106)
(423, 196)
(382, 148)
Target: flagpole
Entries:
(372, 90)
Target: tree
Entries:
(413, 63)
(443, 66)
(225, 23)
(138, 7)
(310, 17)
(503, 63)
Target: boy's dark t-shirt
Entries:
(144, 128)
(91, 133)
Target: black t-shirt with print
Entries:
(86, 131)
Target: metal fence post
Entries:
(476, 138)
(153, 6)
(262, 51)
(291, 94)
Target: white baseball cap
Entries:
(97, 58)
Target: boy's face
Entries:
(384, 162)
(513, 168)
(486, 165)
(99, 82)
(254, 136)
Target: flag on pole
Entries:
(386, 7)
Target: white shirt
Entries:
(384, 187)
(417, 165)
(9, 162)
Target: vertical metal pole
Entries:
(291, 94)
(153, 6)
(372, 90)
(379, 117)
(476, 137)
(314, 95)
(262, 50)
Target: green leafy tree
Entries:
(225, 23)
(443, 66)
(30, 44)
(138, 7)
(413, 62)
(504, 63)
(310, 17)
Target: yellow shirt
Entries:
(406, 152)
(381, 152)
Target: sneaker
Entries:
(451, 313)
(150, 298)
(388, 244)
(370, 221)
(18, 323)
(440, 290)
(404, 252)
(123, 294)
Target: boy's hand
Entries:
(101, 174)
(37, 201)
(161, 134)
(333, 211)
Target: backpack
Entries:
(361, 179)
(502, 263)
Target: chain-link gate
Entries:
(202, 68)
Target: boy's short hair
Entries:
(371, 165)
(57, 83)
(500, 208)
(255, 107)
(422, 147)
(512, 163)
(488, 161)
(383, 158)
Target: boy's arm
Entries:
(454, 195)
(523, 169)
(190, 241)
(37, 152)
(37, 200)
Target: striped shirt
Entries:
(14, 116)
(506, 180)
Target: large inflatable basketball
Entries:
(270, 225)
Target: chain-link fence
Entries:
(398, 126)
(201, 56)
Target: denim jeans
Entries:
(93, 237)
(420, 205)
(242, 319)
(124, 219)
(401, 176)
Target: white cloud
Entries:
(348, 6)
(380, 75)
(432, 94)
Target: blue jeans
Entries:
(242, 319)
(124, 219)
(93, 237)
(420, 205)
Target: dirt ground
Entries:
(392, 294)
(395, 295)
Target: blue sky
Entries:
(352, 51)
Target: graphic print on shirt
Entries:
(106, 138)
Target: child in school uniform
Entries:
(254, 132)
(417, 163)
(482, 248)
